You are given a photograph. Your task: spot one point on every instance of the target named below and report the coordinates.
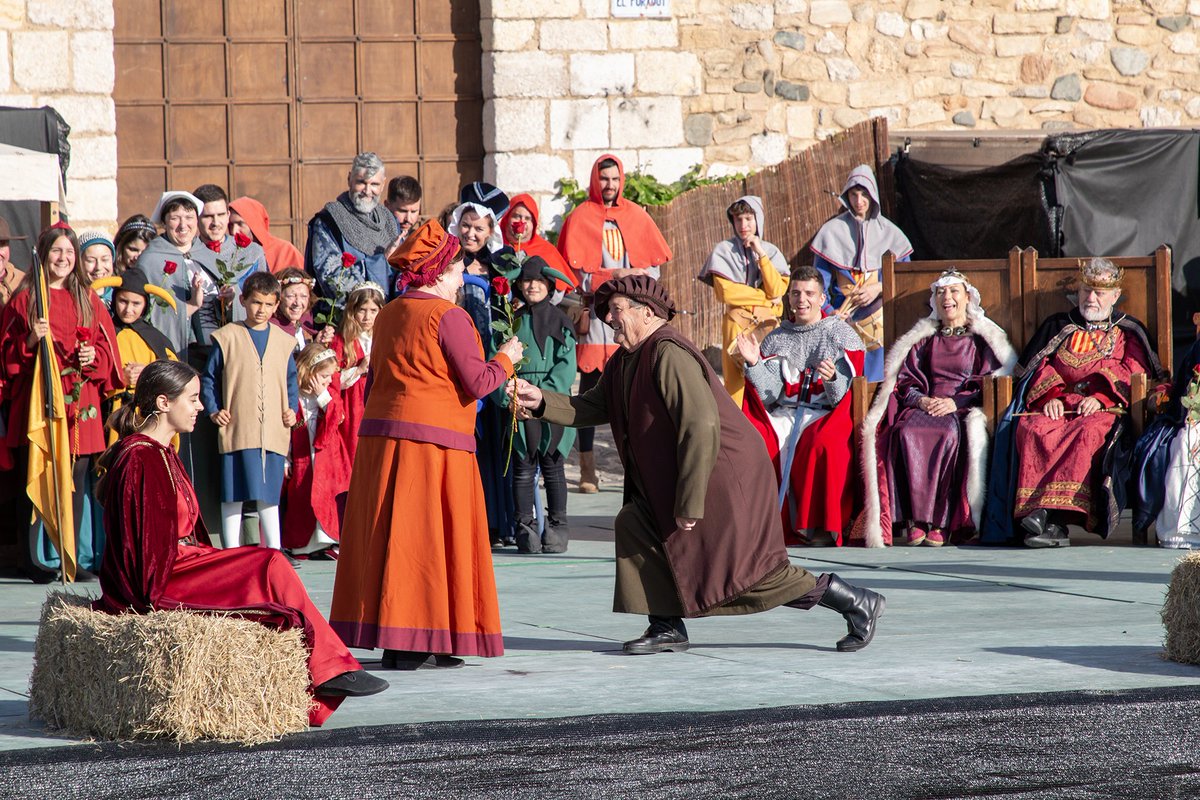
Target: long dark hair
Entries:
(77, 283)
(139, 227)
(158, 378)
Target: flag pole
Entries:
(40, 301)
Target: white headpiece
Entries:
(495, 241)
(949, 278)
(372, 286)
(324, 355)
(167, 197)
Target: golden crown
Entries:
(1100, 273)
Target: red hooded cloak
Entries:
(582, 234)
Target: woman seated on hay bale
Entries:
(158, 556)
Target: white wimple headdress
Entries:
(949, 278)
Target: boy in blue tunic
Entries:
(249, 389)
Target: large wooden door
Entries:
(274, 98)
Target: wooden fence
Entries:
(799, 195)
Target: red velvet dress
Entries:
(354, 397)
(313, 485)
(100, 378)
(158, 559)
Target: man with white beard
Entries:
(350, 239)
(1069, 425)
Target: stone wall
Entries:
(60, 53)
(741, 85)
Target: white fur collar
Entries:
(997, 340)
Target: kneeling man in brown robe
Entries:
(699, 534)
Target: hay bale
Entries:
(168, 674)
(1181, 612)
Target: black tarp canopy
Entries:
(1110, 192)
(43, 130)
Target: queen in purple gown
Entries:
(925, 439)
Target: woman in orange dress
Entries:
(415, 571)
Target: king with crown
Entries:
(1063, 449)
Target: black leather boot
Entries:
(664, 633)
(861, 608)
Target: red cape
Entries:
(821, 495)
(536, 246)
(354, 399)
(312, 493)
(582, 235)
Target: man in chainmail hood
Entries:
(797, 387)
(350, 239)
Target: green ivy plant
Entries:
(645, 189)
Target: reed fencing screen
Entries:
(799, 195)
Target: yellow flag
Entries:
(49, 484)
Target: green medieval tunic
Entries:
(549, 364)
(688, 452)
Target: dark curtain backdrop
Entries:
(951, 214)
(1124, 193)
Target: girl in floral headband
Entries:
(352, 344)
(318, 469)
(294, 314)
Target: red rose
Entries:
(348, 260)
(214, 246)
(169, 267)
(518, 226)
(83, 334)
(500, 284)
(241, 240)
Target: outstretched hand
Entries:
(528, 395)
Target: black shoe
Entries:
(664, 633)
(41, 576)
(1054, 536)
(861, 608)
(555, 539)
(528, 540)
(358, 683)
(407, 660)
(1034, 523)
(295, 562)
(84, 576)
